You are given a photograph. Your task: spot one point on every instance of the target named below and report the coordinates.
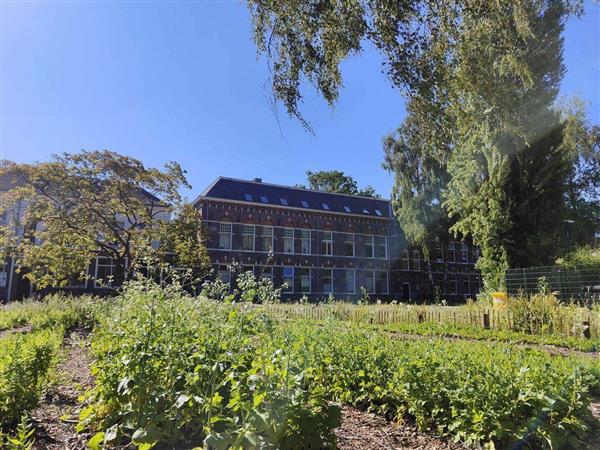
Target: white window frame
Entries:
(304, 277)
(353, 272)
(350, 238)
(372, 274)
(269, 272)
(330, 281)
(405, 260)
(287, 238)
(245, 228)
(387, 281)
(112, 266)
(304, 239)
(264, 236)
(224, 233)
(228, 271)
(370, 243)
(327, 243)
(376, 245)
(417, 260)
(290, 289)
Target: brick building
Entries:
(320, 243)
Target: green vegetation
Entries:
(337, 182)
(176, 370)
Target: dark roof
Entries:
(13, 179)
(271, 194)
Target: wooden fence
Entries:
(564, 320)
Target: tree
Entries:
(87, 204)
(484, 150)
(337, 182)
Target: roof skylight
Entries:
(304, 204)
(325, 206)
(366, 211)
(264, 199)
(248, 197)
(283, 201)
(378, 212)
(347, 209)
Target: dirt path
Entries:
(23, 329)
(56, 416)
(361, 431)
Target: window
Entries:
(267, 273)
(248, 237)
(77, 281)
(380, 247)
(463, 255)
(377, 212)
(225, 236)
(349, 245)
(366, 211)
(451, 284)
(439, 255)
(304, 275)
(283, 201)
(381, 286)
(347, 209)
(325, 206)
(416, 260)
(326, 281)
(404, 260)
(369, 281)
(304, 242)
(288, 278)
(264, 199)
(369, 246)
(224, 274)
(304, 204)
(288, 240)
(248, 197)
(108, 272)
(327, 243)
(466, 287)
(267, 239)
(451, 252)
(350, 281)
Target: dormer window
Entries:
(347, 209)
(283, 201)
(378, 212)
(325, 206)
(248, 197)
(264, 199)
(366, 211)
(304, 204)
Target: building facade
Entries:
(319, 243)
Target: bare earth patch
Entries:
(18, 330)
(56, 416)
(362, 430)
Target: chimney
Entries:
(258, 180)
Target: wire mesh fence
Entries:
(579, 285)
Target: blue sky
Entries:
(180, 81)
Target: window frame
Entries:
(245, 234)
(327, 243)
(221, 233)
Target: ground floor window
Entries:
(369, 282)
(288, 279)
(266, 272)
(326, 281)
(224, 274)
(304, 275)
(381, 283)
(109, 272)
(350, 281)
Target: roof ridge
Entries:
(297, 189)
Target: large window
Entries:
(225, 236)
(288, 278)
(267, 239)
(288, 240)
(404, 260)
(381, 285)
(248, 237)
(369, 246)
(304, 242)
(350, 281)
(327, 243)
(349, 245)
(380, 247)
(224, 274)
(326, 281)
(304, 275)
(416, 260)
(108, 272)
(451, 284)
(369, 281)
(266, 272)
(464, 253)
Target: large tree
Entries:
(483, 150)
(337, 182)
(93, 203)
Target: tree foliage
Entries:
(484, 150)
(89, 203)
(337, 182)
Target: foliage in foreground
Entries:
(178, 370)
(173, 369)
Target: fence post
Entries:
(486, 320)
(420, 317)
(587, 332)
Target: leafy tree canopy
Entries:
(337, 182)
(93, 202)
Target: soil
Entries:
(361, 431)
(57, 415)
(22, 330)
